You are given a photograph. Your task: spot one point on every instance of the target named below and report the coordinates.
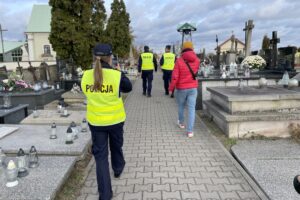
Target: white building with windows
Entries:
(12, 51)
(37, 33)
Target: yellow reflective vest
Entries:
(169, 61)
(147, 61)
(104, 106)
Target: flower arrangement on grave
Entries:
(254, 62)
(14, 83)
(79, 72)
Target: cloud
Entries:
(155, 22)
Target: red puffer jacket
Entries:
(181, 75)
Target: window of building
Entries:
(47, 50)
(17, 55)
(1, 57)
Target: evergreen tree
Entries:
(62, 27)
(75, 27)
(117, 30)
(98, 20)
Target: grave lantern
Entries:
(69, 137)
(35, 113)
(2, 157)
(11, 174)
(33, 158)
(84, 125)
(53, 134)
(6, 100)
(74, 130)
(22, 164)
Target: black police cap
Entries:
(102, 50)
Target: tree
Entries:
(75, 27)
(117, 30)
(62, 28)
(265, 43)
(98, 20)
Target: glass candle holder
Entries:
(11, 174)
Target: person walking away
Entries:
(167, 63)
(146, 64)
(106, 115)
(185, 83)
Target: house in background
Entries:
(226, 46)
(37, 33)
(13, 51)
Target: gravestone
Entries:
(42, 182)
(24, 136)
(248, 36)
(231, 55)
(274, 41)
(47, 116)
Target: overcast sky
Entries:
(154, 23)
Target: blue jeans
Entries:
(187, 96)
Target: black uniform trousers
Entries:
(147, 76)
(167, 75)
(100, 137)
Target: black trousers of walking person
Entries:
(101, 135)
(147, 76)
(167, 75)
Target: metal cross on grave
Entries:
(274, 41)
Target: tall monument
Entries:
(248, 36)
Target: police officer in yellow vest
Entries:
(147, 63)
(102, 87)
(167, 63)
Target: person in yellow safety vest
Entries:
(167, 63)
(146, 64)
(105, 114)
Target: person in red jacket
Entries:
(185, 83)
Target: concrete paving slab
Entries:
(163, 163)
(38, 135)
(50, 116)
(273, 164)
(42, 183)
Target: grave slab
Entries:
(43, 182)
(71, 106)
(13, 115)
(38, 135)
(50, 116)
(272, 163)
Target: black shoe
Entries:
(172, 95)
(144, 93)
(117, 175)
(149, 95)
(166, 93)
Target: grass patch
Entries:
(73, 185)
(216, 131)
(294, 130)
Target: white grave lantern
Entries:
(53, 134)
(69, 137)
(11, 174)
(84, 125)
(74, 130)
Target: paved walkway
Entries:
(162, 163)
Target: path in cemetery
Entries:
(162, 163)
